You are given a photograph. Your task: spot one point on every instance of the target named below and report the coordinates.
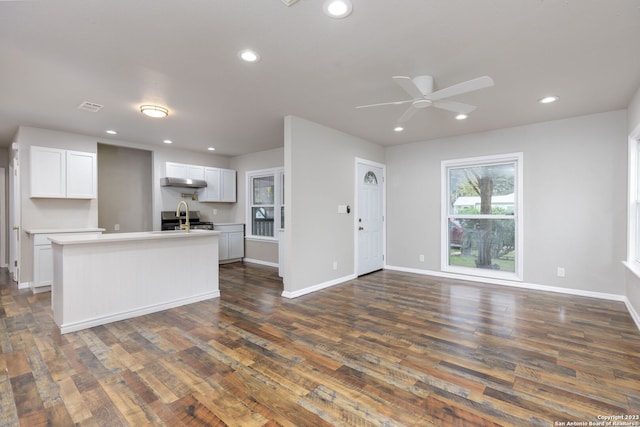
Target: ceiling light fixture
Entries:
(398, 129)
(154, 111)
(548, 99)
(337, 8)
(111, 132)
(167, 141)
(249, 55)
(211, 149)
(461, 116)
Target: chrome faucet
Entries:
(186, 226)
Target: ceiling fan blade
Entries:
(385, 103)
(407, 84)
(464, 87)
(456, 107)
(407, 115)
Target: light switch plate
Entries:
(342, 209)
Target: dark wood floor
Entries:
(386, 349)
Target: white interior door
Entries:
(370, 217)
(14, 218)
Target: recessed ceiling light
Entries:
(337, 8)
(154, 111)
(211, 149)
(249, 55)
(111, 132)
(398, 129)
(461, 116)
(168, 141)
(548, 99)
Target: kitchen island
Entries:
(104, 278)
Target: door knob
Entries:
(16, 228)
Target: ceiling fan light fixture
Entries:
(461, 116)
(337, 9)
(548, 99)
(154, 111)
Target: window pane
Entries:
(262, 221)
(482, 243)
(263, 191)
(485, 189)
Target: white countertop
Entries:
(63, 230)
(228, 223)
(71, 239)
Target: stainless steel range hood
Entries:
(182, 182)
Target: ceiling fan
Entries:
(420, 89)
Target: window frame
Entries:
(633, 218)
(278, 201)
(517, 217)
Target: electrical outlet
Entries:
(421, 258)
(335, 265)
(560, 271)
(215, 211)
(116, 227)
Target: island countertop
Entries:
(103, 278)
(122, 237)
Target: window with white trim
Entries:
(633, 246)
(481, 218)
(265, 203)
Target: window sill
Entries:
(261, 239)
(633, 267)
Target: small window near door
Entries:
(266, 197)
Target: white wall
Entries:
(319, 176)
(632, 284)
(574, 199)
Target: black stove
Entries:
(170, 221)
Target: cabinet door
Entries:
(48, 172)
(223, 246)
(228, 185)
(43, 265)
(82, 175)
(236, 245)
(195, 172)
(212, 191)
(176, 170)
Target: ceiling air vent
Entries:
(90, 106)
(289, 2)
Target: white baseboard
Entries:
(318, 287)
(632, 312)
(532, 286)
(97, 321)
(258, 261)
(24, 285)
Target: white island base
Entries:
(105, 278)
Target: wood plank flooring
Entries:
(387, 349)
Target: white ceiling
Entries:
(55, 54)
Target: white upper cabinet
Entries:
(81, 175)
(63, 174)
(221, 185)
(176, 170)
(228, 185)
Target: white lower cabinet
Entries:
(43, 260)
(230, 242)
